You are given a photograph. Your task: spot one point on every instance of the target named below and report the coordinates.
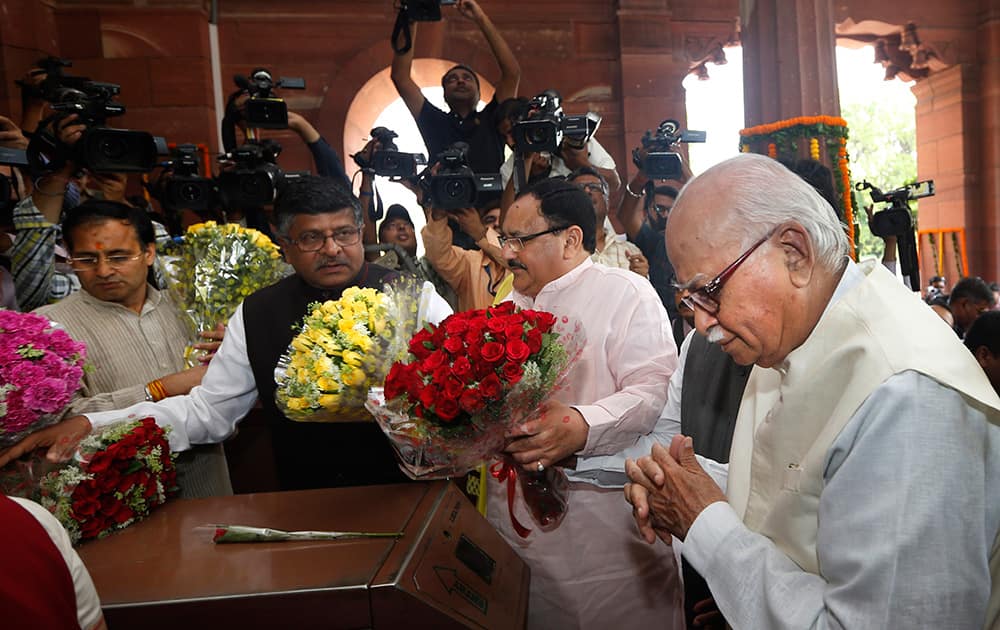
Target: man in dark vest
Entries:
(319, 225)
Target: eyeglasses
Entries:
(89, 263)
(660, 210)
(516, 243)
(594, 188)
(314, 241)
(706, 297)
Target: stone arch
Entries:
(366, 75)
(378, 92)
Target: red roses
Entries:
(129, 475)
(472, 359)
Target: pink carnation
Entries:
(43, 366)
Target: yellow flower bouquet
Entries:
(345, 347)
(217, 266)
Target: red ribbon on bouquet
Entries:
(504, 471)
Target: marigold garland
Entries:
(781, 137)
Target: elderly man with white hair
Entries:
(864, 479)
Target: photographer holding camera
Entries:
(643, 214)
(461, 92)
(325, 157)
(474, 275)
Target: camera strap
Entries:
(402, 28)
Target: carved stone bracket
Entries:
(898, 49)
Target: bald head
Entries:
(761, 251)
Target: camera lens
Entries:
(253, 184)
(456, 189)
(191, 192)
(538, 135)
(112, 147)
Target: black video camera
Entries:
(660, 161)
(254, 178)
(544, 126)
(100, 148)
(389, 161)
(182, 186)
(455, 186)
(9, 157)
(897, 221)
(264, 110)
(424, 10)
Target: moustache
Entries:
(714, 335)
(514, 264)
(336, 260)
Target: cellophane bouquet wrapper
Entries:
(214, 268)
(116, 477)
(345, 347)
(467, 383)
(41, 367)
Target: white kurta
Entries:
(594, 571)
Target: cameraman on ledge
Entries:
(461, 92)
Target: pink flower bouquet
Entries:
(41, 367)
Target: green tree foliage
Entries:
(883, 150)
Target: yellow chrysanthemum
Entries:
(353, 377)
(329, 401)
(352, 358)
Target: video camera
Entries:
(254, 178)
(389, 161)
(250, 178)
(101, 148)
(897, 221)
(264, 110)
(423, 10)
(660, 162)
(456, 186)
(9, 157)
(544, 126)
(181, 185)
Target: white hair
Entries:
(764, 194)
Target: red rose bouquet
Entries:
(41, 367)
(467, 383)
(119, 474)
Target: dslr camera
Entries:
(544, 126)
(101, 148)
(264, 110)
(455, 186)
(660, 162)
(389, 161)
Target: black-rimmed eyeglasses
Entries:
(516, 243)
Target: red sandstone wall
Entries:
(622, 58)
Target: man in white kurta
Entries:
(864, 480)
(592, 571)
